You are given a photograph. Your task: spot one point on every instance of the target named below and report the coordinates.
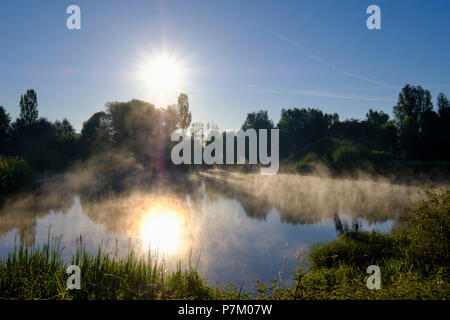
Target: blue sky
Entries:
(240, 56)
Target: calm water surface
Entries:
(231, 226)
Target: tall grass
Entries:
(40, 273)
(30, 273)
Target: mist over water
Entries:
(234, 225)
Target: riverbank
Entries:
(414, 264)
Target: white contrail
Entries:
(322, 60)
(341, 96)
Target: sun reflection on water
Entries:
(162, 229)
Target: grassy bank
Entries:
(40, 274)
(414, 264)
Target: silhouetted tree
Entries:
(299, 127)
(308, 136)
(444, 127)
(410, 115)
(42, 152)
(135, 127)
(5, 123)
(185, 116)
(379, 132)
(33, 138)
(351, 129)
(429, 136)
(63, 127)
(68, 143)
(96, 133)
(376, 118)
(28, 108)
(257, 120)
(388, 137)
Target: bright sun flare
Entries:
(162, 230)
(162, 74)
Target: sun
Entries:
(162, 75)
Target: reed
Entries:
(40, 273)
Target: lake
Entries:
(230, 226)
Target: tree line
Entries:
(417, 132)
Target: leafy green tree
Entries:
(43, 153)
(63, 127)
(443, 103)
(68, 143)
(28, 108)
(5, 126)
(412, 102)
(15, 174)
(170, 118)
(135, 127)
(185, 116)
(34, 138)
(388, 137)
(429, 136)
(68, 147)
(380, 132)
(346, 157)
(444, 127)
(300, 127)
(36, 143)
(96, 133)
(131, 121)
(258, 120)
(376, 118)
(350, 129)
(411, 112)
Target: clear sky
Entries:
(237, 56)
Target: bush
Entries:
(380, 158)
(425, 244)
(430, 229)
(307, 163)
(345, 157)
(15, 174)
(359, 249)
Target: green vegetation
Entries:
(40, 274)
(414, 264)
(416, 138)
(15, 174)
